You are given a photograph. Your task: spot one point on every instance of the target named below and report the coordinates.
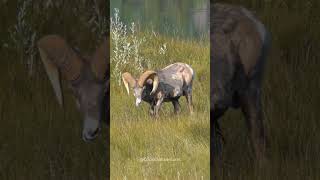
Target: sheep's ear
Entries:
(149, 81)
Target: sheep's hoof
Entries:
(191, 110)
(177, 112)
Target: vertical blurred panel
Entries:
(265, 89)
(150, 139)
(51, 48)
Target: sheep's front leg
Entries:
(188, 95)
(176, 106)
(151, 110)
(157, 106)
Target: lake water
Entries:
(182, 18)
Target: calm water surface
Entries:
(183, 18)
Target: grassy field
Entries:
(40, 140)
(291, 98)
(185, 138)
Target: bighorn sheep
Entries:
(87, 78)
(240, 44)
(165, 85)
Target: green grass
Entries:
(290, 98)
(184, 137)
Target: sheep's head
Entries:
(142, 85)
(87, 79)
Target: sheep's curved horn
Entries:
(100, 63)
(149, 75)
(57, 57)
(128, 80)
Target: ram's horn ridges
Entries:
(149, 75)
(57, 56)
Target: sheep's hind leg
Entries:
(252, 109)
(188, 95)
(176, 106)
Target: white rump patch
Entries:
(191, 70)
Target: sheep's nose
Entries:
(90, 129)
(90, 135)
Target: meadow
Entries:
(290, 98)
(172, 146)
(39, 139)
